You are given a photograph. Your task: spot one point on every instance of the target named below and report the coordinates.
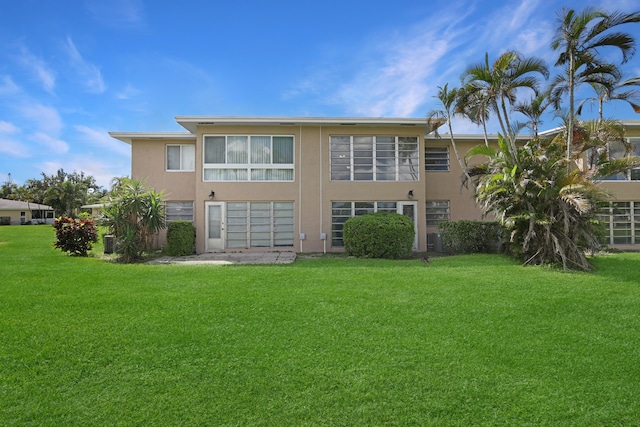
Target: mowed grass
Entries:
(469, 340)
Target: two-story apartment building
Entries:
(290, 183)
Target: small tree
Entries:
(134, 214)
(75, 235)
(379, 235)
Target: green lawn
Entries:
(469, 340)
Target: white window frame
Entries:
(182, 158)
(184, 205)
(433, 163)
(337, 160)
(248, 168)
(621, 216)
(247, 228)
(355, 209)
(632, 175)
(439, 210)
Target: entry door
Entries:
(410, 209)
(215, 226)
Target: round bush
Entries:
(181, 238)
(379, 235)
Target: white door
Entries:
(410, 209)
(215, 226)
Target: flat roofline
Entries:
(130, 136)
(191, 123)
(471, 136)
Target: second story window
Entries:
(374, 158)
(248, 158)
(181, 158)
(618, 151)
(436, 159)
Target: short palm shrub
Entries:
(379, 235)
(75, 235)
(181, 238)
(465, 237)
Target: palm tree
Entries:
(499, 82)
(578, 38)
(476, 107)
(613, 89)
(134, 214)
(449, 101)
(533, 110)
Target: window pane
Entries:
(436, 158)
(179, 211)
(214, 149)
(260, 149)
(188, 157)
(283, 149)
(237, 149)
(173, 157)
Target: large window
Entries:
(248, 158)
(437, 212)
(436, 159)
(342, 211)
(618, 151)
(179, 211)
(374, 158)
(259, 224)
(181, 158)
(622, 223)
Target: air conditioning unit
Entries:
(434, 242)
(108, 243)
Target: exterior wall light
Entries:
(212, 195)
(410, 194)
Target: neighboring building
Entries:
(289, 183)
(13, 212)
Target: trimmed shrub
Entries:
(379, 235)
(181, 238)
(75, 235)
(464, 237)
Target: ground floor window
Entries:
(622, 223)
(342, 211)
(179, 211)
(437, 212)
(259, 224)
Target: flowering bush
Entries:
(75, 235)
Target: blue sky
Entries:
(72, 71)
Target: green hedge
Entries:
(463, 237)
(379, 235)
(181, 238)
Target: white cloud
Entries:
(6, 127)
(52, 143)
(117, 13)
(39, 67)
(13, 148)
(100, 138)
(8, 86)
(88, 72)
(45, 118)
(128, 92)
(97, 166)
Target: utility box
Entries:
(108, 243)
(434, 242)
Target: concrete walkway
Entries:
(230, 258)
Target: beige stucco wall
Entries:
(312, 191)
(15, 217)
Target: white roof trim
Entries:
(130, 136)
(191, 123)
